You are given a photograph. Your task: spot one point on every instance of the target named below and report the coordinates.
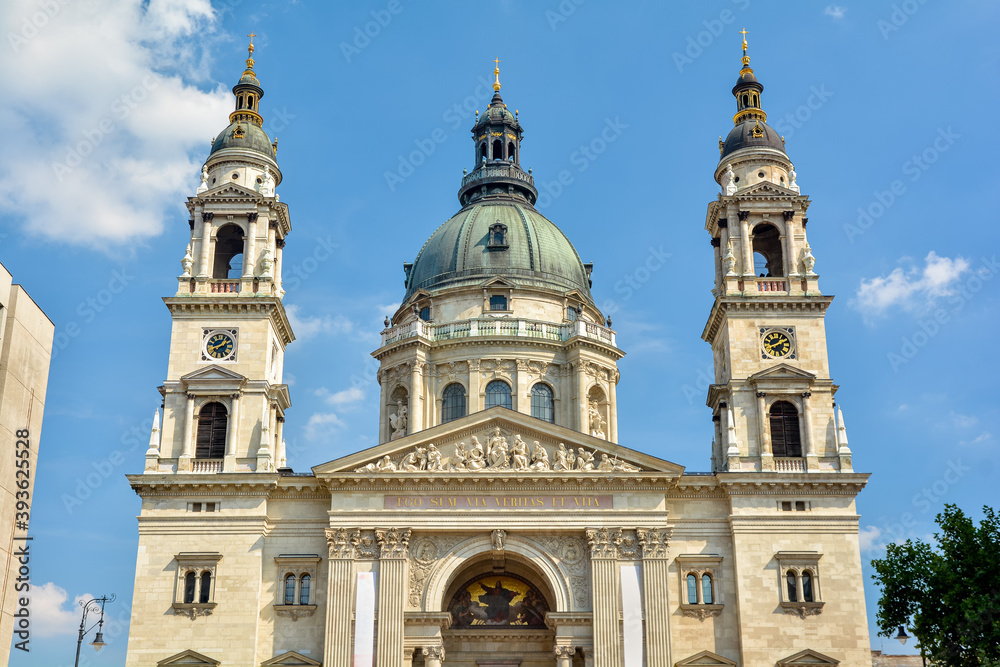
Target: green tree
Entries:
(949, 594)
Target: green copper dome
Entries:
(246, 135)
(464, 252)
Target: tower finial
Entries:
(746, 58)
(251, 36)
(250, 52)
(496, 74)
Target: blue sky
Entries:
(886, 108)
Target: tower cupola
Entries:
(752, 130)
(248, 92)
(245, 129)
(497, 169)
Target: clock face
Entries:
(220, 345)
(777, 344)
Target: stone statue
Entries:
(571, 458)
(620, 466)
(203, 187)
(520, 454)
(397, 421)
(729, 261)
(585, 460)
(410, 462)
(385, 465)
(539, 457)
(267, 186)
(605, 463)
(459, 457)
(433, 457)
(187, 262)
(597, 422)
(265, 263)
(792, 185)
(497, 537)
(477, 458)
(808, 260)
(496, 448)
(560, 462)
(422, 457)
(729, 181)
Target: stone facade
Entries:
(506, 533)
(26, 336)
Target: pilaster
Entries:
(604, 574)
(337, 651)
(656, 594)
(393, 546)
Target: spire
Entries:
(747, 90)
(841, 433)
(496, 75)
(248, 92)
(154, 434)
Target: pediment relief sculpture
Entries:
(499, 454)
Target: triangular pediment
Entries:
(497, 282)
(229, 191)
(188, 657)
(704, 658)
(212, 372)
(782, 372)
(766, 188)
(291, 658)
(807, 657)
(501, 436)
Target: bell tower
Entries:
(224, 399)
(772, 400)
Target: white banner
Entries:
(631, 616)
(364, 620)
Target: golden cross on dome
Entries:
(251, 36)
(744, 32)
(497, 61)
(496, 73)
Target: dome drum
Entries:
(486, 180)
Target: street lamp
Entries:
(95, 605)
(902, 637)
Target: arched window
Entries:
(746, 100)
(204, 595)
(290, 589)
(510, 151)
(453, 406)
(189, 582)
(807, 586)
(228, 253)
(785, 438)
(425, 313)
(706, 589)
(211, 441)
(790, 580)
(250, 102)
(542, 404)
(498, 302)
(498, 393)
(304, 583)
(497, 150)
(482, 152)
(692, 585)
(767, 244)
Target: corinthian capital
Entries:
(654, 541)
(601, 544)
(433, 652)
(393, 542)
(341, 542)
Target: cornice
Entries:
(217, 484)
(499, 481)
(760, 304)
(200, 305)
(807, 483)
(521, 342)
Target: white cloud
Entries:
(868, 537)
(912, 288)
(982, 437)
(835, 11)
(104, 125)
(307, 327)
(345, 397)
(962, 421)
(323, 424)
(50, 616)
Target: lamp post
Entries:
(902, 637)
(92, 605)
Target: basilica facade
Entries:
(500, 522)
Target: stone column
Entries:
(338, 649)
(279, 442)
(473, 385)
(656, 584)
(279, 246)
(187, 451)
(250, 245)
(523, 398)
(764, 433)
(393, 543)
(564, 656)
(604, 566)
(204, 268)
(581, 397)
(433, 655)
(807, 433)
(416, 400)
(232, 436)
(747, 243)
(613, 408)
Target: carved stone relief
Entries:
(424, 555)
